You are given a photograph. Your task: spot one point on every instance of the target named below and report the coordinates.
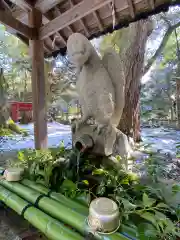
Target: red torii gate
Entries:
(16, 107)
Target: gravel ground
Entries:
(14, 227)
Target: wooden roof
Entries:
(63, 17)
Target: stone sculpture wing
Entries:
(113, 65)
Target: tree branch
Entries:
(161, 46)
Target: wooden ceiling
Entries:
(61, 18)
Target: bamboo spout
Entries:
(84, 143)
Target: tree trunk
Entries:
(178, 102)
(4, 111)
(178, 82)
(172, 113)
(133, 64)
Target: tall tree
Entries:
(4, 111)
(178, 80)
(130, 43)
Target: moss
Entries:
(12, 128)
(5, 132)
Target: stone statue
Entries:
(101, 86)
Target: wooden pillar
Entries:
(38, 83)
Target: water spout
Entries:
(84, 143)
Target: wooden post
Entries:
(38, 83)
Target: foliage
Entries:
(39, 164)
(158, 93)
(15, 59)
(5, 132)
(148, 205)
(11, 128)
(60, 81)
(160, 57)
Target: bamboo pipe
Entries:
(53, 229)
(126, 230)
(57, 210)
(57, 196)
(70, 203)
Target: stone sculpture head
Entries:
(79, 49)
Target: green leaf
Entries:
(160, 215)
(176, 188)
(147, 231)
(127, 205)
(118, 158)
(150, 217)
(148, 202)
(98, 171)
(85, 182)
(125, 181)
(170, 228)
(21, 156)
(177, 234)
(101, 190)
(68, 185)
(162, 205)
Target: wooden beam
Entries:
(38, 83)
(72, 15)
(46, 48)
(131, 8)
(22, 15)
(45, 5)
(8, 20)
(57, 13)
(24, 4)
(46, 19)
(81, 21)
(61, 37)
(98, 21)
(19, 13)
(5, 5)
(51, 44)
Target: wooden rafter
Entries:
(5, 5)
(98, 21)
(62, 38)
(20, 14)
(81, 21)
(45, 5)
(46, 48)
(8, 20)
(70, 16)
(131, 8)
(57, 13)
(24, 4)
(46, 20)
